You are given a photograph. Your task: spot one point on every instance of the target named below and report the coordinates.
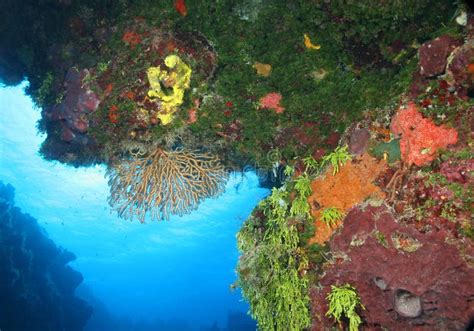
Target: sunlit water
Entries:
(182, 268)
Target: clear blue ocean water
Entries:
(180, 269)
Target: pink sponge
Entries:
(420, 137)
(272, 101)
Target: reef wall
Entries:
(36, 284)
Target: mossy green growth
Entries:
(337, 158)
(310, 164)
(43, 94)
(330, 216)
(344, 301)
(272, 268)
(300, 205)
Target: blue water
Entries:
(179, 269)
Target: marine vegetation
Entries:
(272, 268)
(164, 183)
(300, 205)
(337, 158)
(330, 216)
(344, 301)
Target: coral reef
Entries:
(276, 87)
(36, 284)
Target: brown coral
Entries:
(350, 186)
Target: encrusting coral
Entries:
(178, 78)
(420, 137)
(348, 187)
(164, 183)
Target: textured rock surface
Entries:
(406, 280)
(433, 55)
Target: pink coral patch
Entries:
(420, 137)
(272, 101)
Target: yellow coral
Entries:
(178, 77)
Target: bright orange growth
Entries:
(180, 7)
(420, 137)
(131, 38)
(349, 187)
(113, 114)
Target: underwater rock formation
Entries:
(433, 55)
(36, 284)
(406, 280)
